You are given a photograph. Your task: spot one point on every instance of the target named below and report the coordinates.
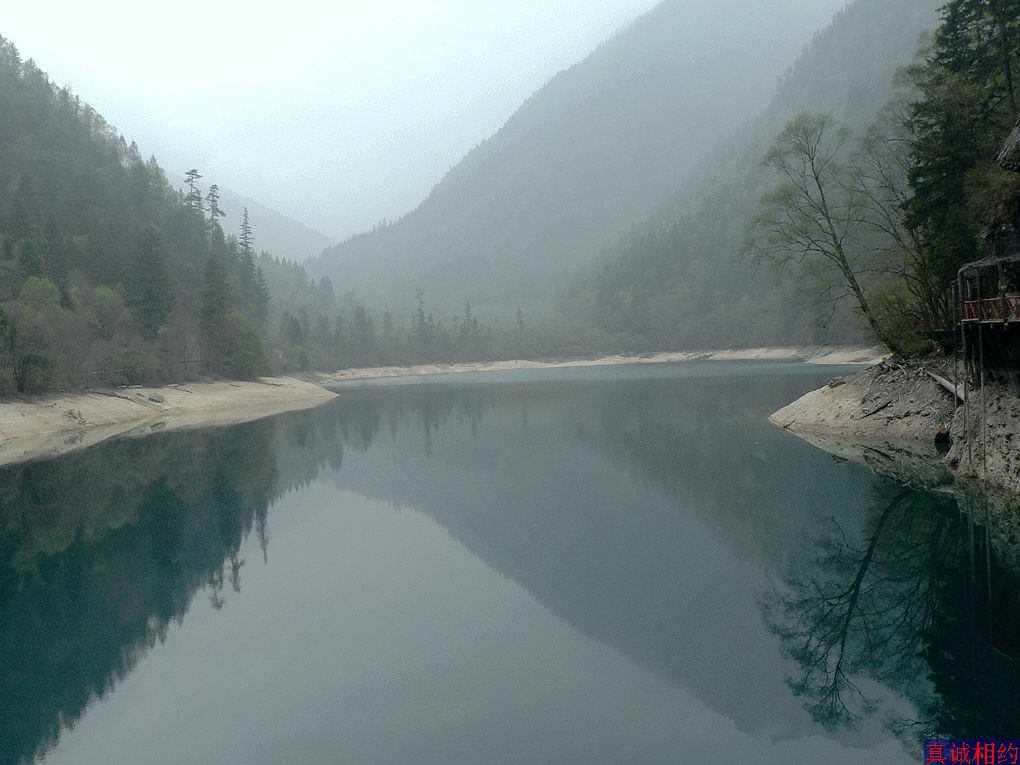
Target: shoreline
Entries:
(49, 426)
(902, 406)
(810, 354)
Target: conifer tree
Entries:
(216, 298)
(151, 296)
(193, 199)
(212, 201)
(261, 296)
(29, 263)
(53, 246)
(21, 221)
(420, 327)
(246, 242)
(966, 107)
(326, 295)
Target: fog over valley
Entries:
(344, 114)
(451, 382)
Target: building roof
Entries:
(988, 262)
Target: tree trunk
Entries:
(1007, 58)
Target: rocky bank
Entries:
(910, 405)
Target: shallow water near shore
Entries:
(593, 565)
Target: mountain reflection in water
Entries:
(653, 511)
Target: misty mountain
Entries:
(276, 232)
(108, 274)
(588, 155)
(681, 279)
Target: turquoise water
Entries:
(594, 565)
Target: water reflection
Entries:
(647, 512)
(101, 550)
(881, 586)
(857, 604)
(919, 598)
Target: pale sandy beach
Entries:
(812, 354)
(53, 425)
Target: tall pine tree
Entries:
(246, 241)
(216, 304)
(151, 294)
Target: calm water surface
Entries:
(615, 565)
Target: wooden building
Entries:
(988, 318)
(988, 295)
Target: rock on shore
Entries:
(901, 403)
(888, 400)
(986, 437)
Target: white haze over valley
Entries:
(343, 114)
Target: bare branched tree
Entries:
(881, 173)
(860, 609)
(817, 217)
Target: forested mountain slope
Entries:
(109, 274)
(589, 154)
(681, 278)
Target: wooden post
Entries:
(984, 408)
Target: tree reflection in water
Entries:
(101, 550)
(923, 601)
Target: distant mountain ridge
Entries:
(679, 279)
(275, 231)
(589, 154)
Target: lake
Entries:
(593, 565)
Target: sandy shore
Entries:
(814, 354)
(53, 425)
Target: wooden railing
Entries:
(999, 309)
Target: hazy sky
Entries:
(339, 114)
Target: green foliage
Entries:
(105, 307)
(152, 294)
(28, 346)
(966, 107)
(39, 294)
(243, 357)
(217, 299)
(232, 344)
(897, 314)
(924, 191)
(103, 264)
(818, 221)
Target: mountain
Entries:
(108, 275)
(276, 232)
(590, 153)
(680, 278)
